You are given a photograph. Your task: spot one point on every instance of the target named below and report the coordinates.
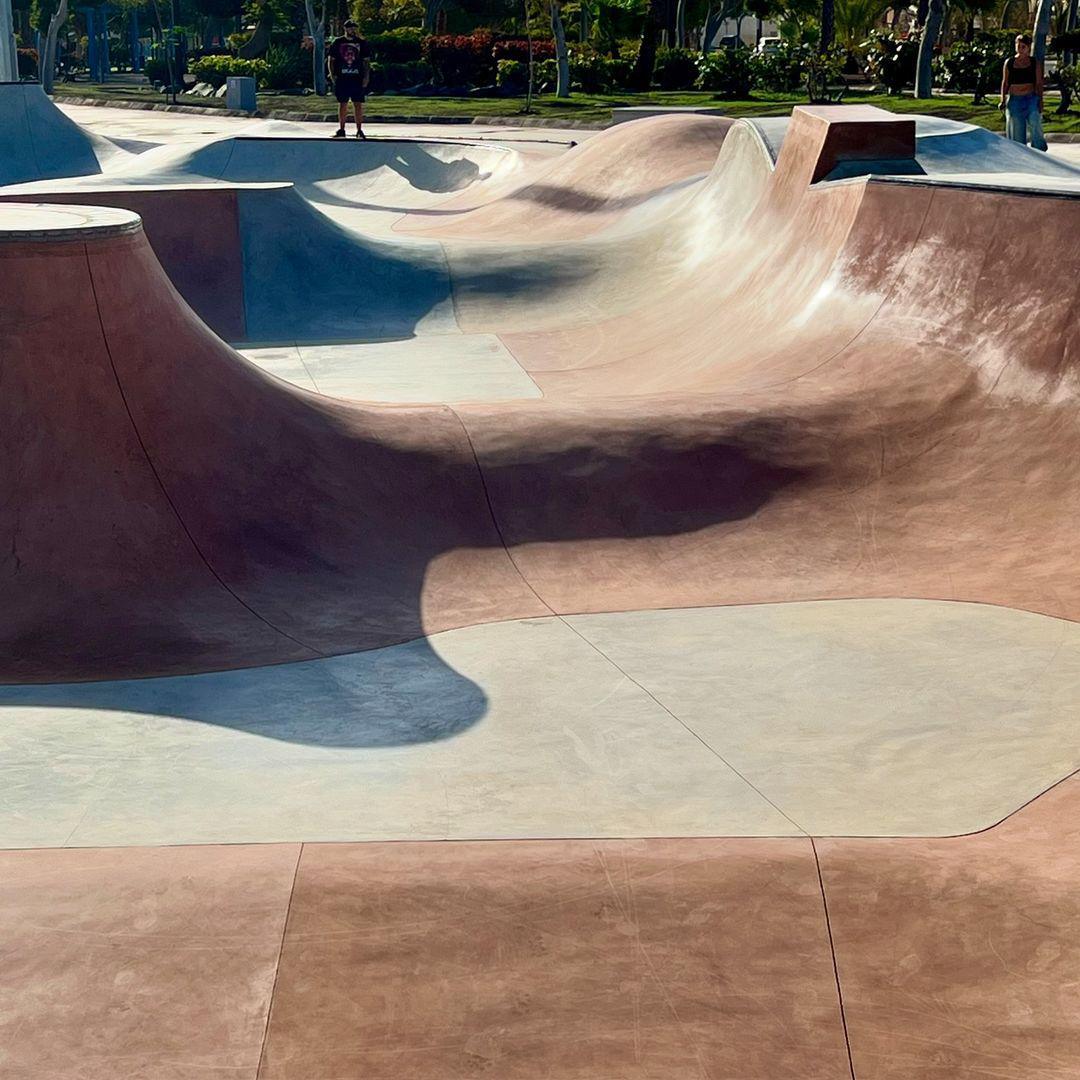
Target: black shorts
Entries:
(349, 88)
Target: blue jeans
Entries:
(1024, 117)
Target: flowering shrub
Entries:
(462, 59)
(518, 49)
(971, 67)
(781, 70)
(725, 72)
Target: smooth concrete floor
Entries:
(436, 367)
(662, 959)
(863, 717)
(1069, 152)
(142, 129)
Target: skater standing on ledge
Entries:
(350, 67)
(1022, 95)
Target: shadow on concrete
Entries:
(578, 202)
(396, 696)
(573, 489)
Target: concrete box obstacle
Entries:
(240, 93)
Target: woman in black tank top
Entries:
(1022, 95)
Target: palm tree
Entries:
(562, 54)
(828, 24)
(1042, 28)
(856, 18)
(48, 61)
(641, 77)
(924, 71)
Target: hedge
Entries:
(399, 76)
(675, 69)
(216, 69)
(726, 72)
(402, 46)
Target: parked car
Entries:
(767, 46)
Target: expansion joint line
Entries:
(160, 481)
(277, 966)
(494, 519)
(600, 652)
(683, 724)
(835, 964)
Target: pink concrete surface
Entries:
(566, 959)
(763, 456)
(586, 189)
(574, 960)
(879, 428)
(958, 957)
(195, 236)
(143, 963)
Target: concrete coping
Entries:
(354, 144)
(40, 221)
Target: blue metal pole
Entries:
(103, 50)
(91, 43)
(136, 48)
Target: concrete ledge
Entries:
(640, 112)
(857, 133)
(306, 118)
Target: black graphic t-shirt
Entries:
(347, 56)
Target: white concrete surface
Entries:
(37, 140)
(436, 367)
(1068, 152)
(868, 717)
(506, 730)
(156, 128)
(22, 221)
(851, 717)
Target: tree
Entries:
(317, 32)
(828, 25)
(47, 69)
(855, 19)
(967, 10)
(562, 56)
(431, 14)
(715, 16)
(1043, 12)
(641, 76)
(1068, 57)
(219, 14)
(266, 15)
(924, 71)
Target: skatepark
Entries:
(533, 603)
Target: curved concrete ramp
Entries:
(293, 517)
(586, 189)
(546, 618)
(39, 142)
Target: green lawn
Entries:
(589, 109)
